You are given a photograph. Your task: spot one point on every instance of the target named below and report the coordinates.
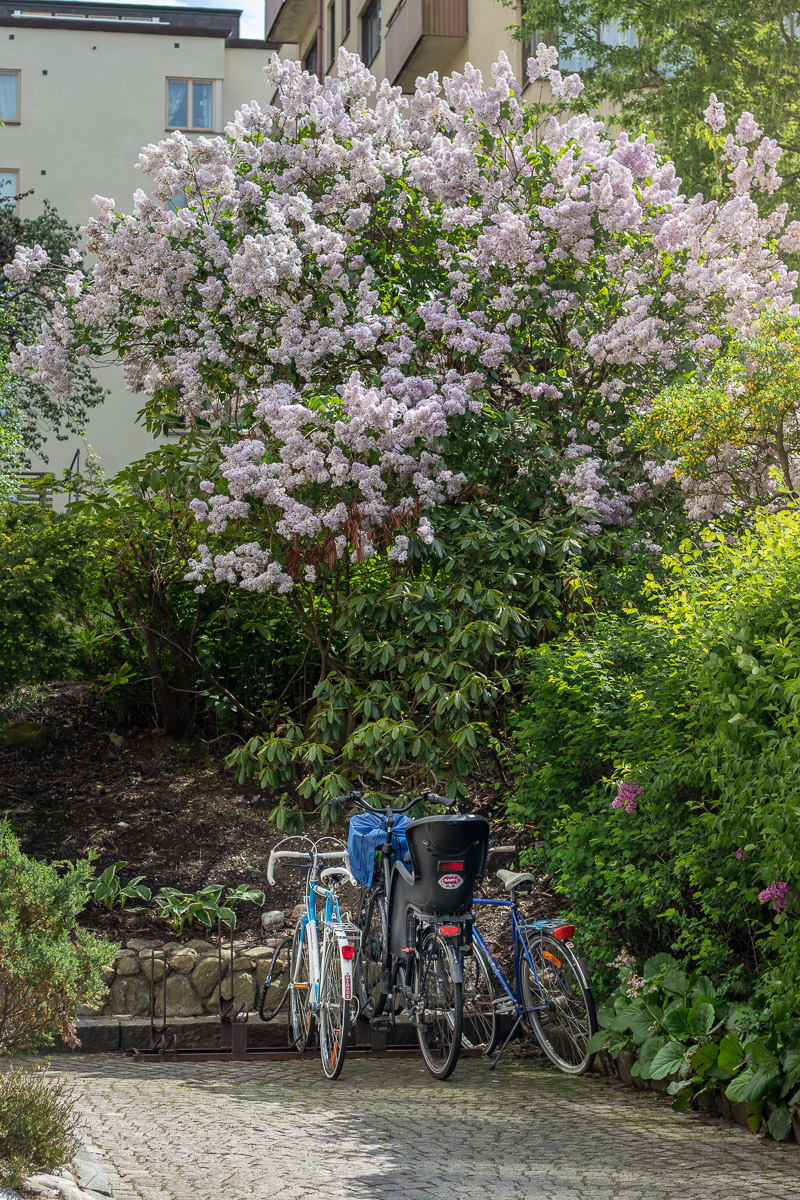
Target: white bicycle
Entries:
(321, 994)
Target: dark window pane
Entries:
(9, 108)
(201, 106)
(178, 103)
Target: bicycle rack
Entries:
(369, 1035)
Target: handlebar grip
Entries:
(270, 870)
(444, 801)
(348, 798)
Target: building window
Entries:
(570, 58)
(9, 189)
(190, 104)
(9, 96)
(371, 31)
(178, 201)
(346, 29)
(310, 60)
(332, 32)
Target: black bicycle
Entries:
(415, 917)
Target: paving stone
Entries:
(388, 1131)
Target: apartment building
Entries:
(398, 39)
(83, 86)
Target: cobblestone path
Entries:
(387, 1131)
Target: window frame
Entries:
(18, 119)
(346, 21)
(364, 17)
(191, 79)
(17, 189)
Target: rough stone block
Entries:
(182, 999)
(129, 965)
(152, 968)
(28, 736)
(182, 960)
(205, 976)
(274, 919)
(244, 992)
(128, 994)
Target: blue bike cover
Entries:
(367, 833)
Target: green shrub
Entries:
(696, 704)
(38, 1125)
(48, 965)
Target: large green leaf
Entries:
(701, 1018)
(668, 1061)
(731, 1054)
(653, 965)
(780, 1122)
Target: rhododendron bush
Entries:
(419, 328)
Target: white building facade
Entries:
(82, 88)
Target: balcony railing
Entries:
(422, 36)
(287, 20)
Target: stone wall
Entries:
(190, 972)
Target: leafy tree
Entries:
(26, 304)
(733, 433)
(11, 447)
(657, 62)
(419, 333)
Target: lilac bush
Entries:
(360, 288)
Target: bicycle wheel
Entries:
(480, 1020)
(301, 1017)
(275, 987)
(334, 1011)
(564, 1016)
(372, 922)
(439, 1004)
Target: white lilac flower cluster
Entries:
(354, 270)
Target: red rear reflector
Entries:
(564, 932)
(348, 952)
(449, 930)
(451, 866)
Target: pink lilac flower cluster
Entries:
(777, 892)
(284, 299)
(627, 796)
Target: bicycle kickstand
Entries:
(511, 1033)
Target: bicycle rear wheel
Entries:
(480, 1020)
(334, 1011)
(372, 922)
(301, 1018)
(564, 1015)
(439, 1006)
(275, 987)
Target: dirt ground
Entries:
(169, 809)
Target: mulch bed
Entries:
(170, 809)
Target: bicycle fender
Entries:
(456, 969)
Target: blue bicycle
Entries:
(551, 994)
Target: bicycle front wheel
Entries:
(334, 1011)
(439, 1005)
(274, 989)
(480, 1020)
(563, 1016)
(301, 1018)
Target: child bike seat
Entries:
(514, 879)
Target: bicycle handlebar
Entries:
(356, 798)
(302, 855)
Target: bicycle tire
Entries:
(269, 1012)
(439, 1007)
(568, 1020)
(480, 1018)
(333, 1021)
(301, 1019)
(372, 923)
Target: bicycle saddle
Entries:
(515, 879)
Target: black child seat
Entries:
(448, 856)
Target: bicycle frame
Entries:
(519, 944)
